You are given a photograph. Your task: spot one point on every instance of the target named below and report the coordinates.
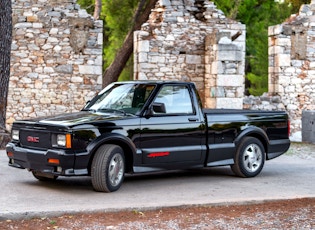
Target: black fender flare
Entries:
(114, 138)
(253, 131)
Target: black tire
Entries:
(108, 168)
(249, 158)
(43, 176)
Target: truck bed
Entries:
(239, 111)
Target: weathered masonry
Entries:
(192, 40)
(292, 64)
(56, 61)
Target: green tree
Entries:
(296, 4)
(120, 18)
(257, 15)
(124, 53)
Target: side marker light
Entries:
(53, 161)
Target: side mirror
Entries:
(155, 108)
(158, 107)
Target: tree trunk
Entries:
(97, 9)
(5, 51)
(116, 67)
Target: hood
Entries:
(78, 118)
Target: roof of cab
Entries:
(159, 82)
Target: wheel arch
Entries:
(125, 143)
(256, 132)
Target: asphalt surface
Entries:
(22, 196)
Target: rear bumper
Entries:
(39, 161)
(277, 148)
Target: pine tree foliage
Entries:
(117, 16)
(119, 20)
(257, 15)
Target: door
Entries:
(172, 134)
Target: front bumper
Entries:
(39, 160)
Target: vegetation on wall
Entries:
(257, 15)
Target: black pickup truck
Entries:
(144, 126)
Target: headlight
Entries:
(61, 140)
(64, 140)
(16, 135)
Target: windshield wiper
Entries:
(113, 110)
(90, 110)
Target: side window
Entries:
(176, 99)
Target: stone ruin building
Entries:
(57, 54)
(191, 40)
(56, 58)
(292, 66)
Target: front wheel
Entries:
(108, 168)
(249, 158)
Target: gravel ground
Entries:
(283, 214)
(288, 214)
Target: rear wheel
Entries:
(249, 158)
(108, 168)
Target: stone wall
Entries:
(292, 64)
(56, 61)
(191, 40)
(264, 102)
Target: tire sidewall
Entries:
(114, 152)
(240, 156)
(100, 168)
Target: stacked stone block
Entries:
(224, 71)
(264, 102)
(292, 64)
(56, 58)
(190, 40)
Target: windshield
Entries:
(125, 98)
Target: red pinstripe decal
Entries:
(158, 154)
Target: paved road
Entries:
(286, 177)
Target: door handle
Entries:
(192, 119)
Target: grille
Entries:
(35, 139)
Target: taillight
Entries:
(289, 127)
